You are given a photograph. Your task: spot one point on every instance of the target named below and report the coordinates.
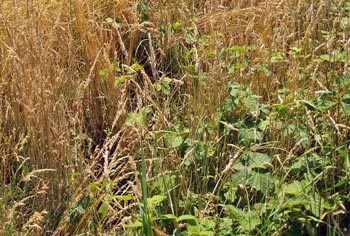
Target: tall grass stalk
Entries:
(145, 215)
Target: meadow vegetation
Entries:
(186, 117)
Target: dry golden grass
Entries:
(62, 124)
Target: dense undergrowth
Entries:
(124, 117)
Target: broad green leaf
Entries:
(264, 124)
(136, 224)
(176, 25)
(155, 201)
(207, 223)
(282, 109)
(325, 57)
(346, 108)
(346, 99)
(325, 105)
(163, 183)
(233, 211)
(261, 182)
(103, 73)
(186, 218)
(249, 135)
(295, 202)
(251, 103)
(294, 188)
(165, 85)
(157, 86)
(138, 118)
(174, 140)
(80, 209)
(310, 106)
(103, 209)
(257, 159)
(225, 227)
(109, 20)
(193, 230)
(295, 50)
(168, 217)
(93, 187)
(235, 90)
(121, 79)
(230, 192)
(206, 233)
(249, 222)
(120, 197)
(136, 67)
(234, 68)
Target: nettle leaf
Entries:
(166, 85)
(346, 99)
(155, 201)
(206, 233)
(247, 136)
(207, 223)
(234, 68)
(157, 86)
(296, 202)
(122, 79)
(262, 208)
(302, 136)
(263, 124)
(196, 230)
(161, 184)
(312, 161)
(136, 224)
(325, 57)
(143, 8)
(346, 108)
(257, 159)
(138, 118)
(276, 57)
(236, 50)
(230, 191)
(281, 109)
(294, 188)
(233, 211)
(249, 222)
(261, 182)
(176, 25)
(174, 139)
(168, 217)
(79, 210)
(251, 103)
(225, 227)
(136, 67)
(241, 175)
(326, 105)
(187, 218)
(310, 106)
(295, 50)
(163, 86)
(109, 20)
(235, 90)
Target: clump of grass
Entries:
(241, 111)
